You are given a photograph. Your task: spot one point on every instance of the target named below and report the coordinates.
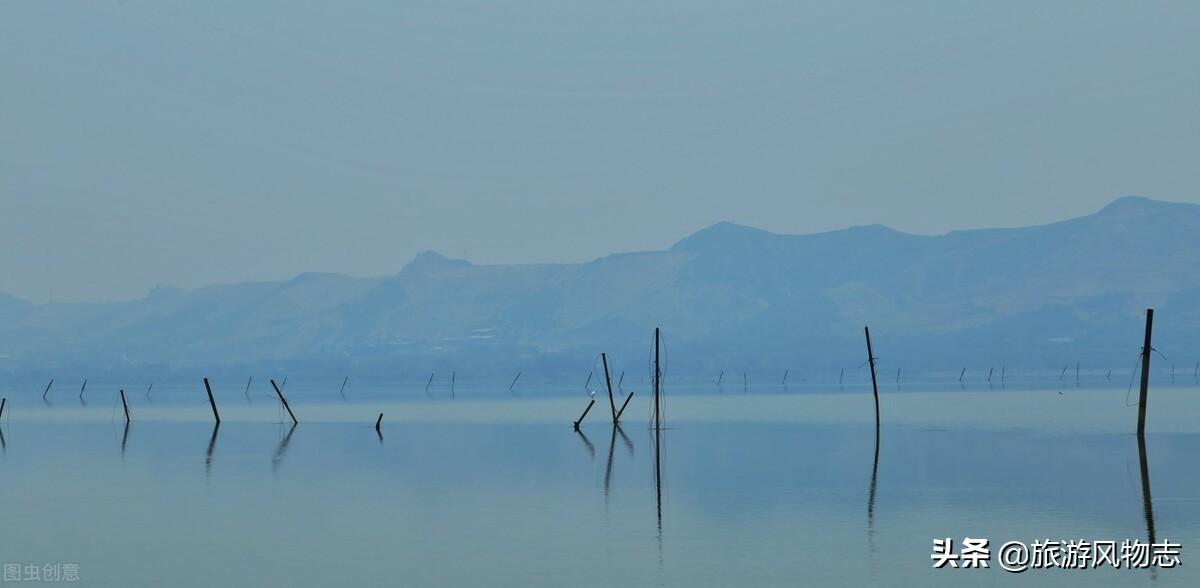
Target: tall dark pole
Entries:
(126, 405)
(874, 386)
(1141, 430)
(657, 381)
(212, 402)
(608, 382)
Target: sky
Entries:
(149, 143)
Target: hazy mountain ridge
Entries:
(727, 295)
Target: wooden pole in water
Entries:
(720, 377)
(582, 416)
(342, 390)
(3, 401)
(623, 405)
(1146, 348)
(990, 375)
(212, 402)
(427, 383)
(83, 387)
(378, 422)
(874, 385)
(126, 405)
(658, 382)
(285, 402)
(841, 374)
(514, 382)
(47, 390)
(149, 388)
(612, 405)
(248, 381)
(962, 375)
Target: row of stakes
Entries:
(616, 413)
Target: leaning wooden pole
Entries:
(378, 422)
(585, 411)
(1146, 348)
(3, 401)
(874, 385)
(126, 405)
(212, 402)
(623, 405)
(608, 382)
(47, 390)
(284, 401)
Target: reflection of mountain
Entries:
(727, 295)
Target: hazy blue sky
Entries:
(147, 142)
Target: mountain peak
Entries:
(429, 261)
(1141, 205)
(721, 234)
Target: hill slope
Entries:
(726, 296)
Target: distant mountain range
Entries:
(727, 297)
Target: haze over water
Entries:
(756, 489)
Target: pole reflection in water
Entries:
(871, 497)
(124, 440)
(591, 448)
(625, 439)
(281, 450)
(612, 443)
(657, 432)
(208, 455)
(1147, 502)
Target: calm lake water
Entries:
(492, 489)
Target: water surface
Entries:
(482, 489)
